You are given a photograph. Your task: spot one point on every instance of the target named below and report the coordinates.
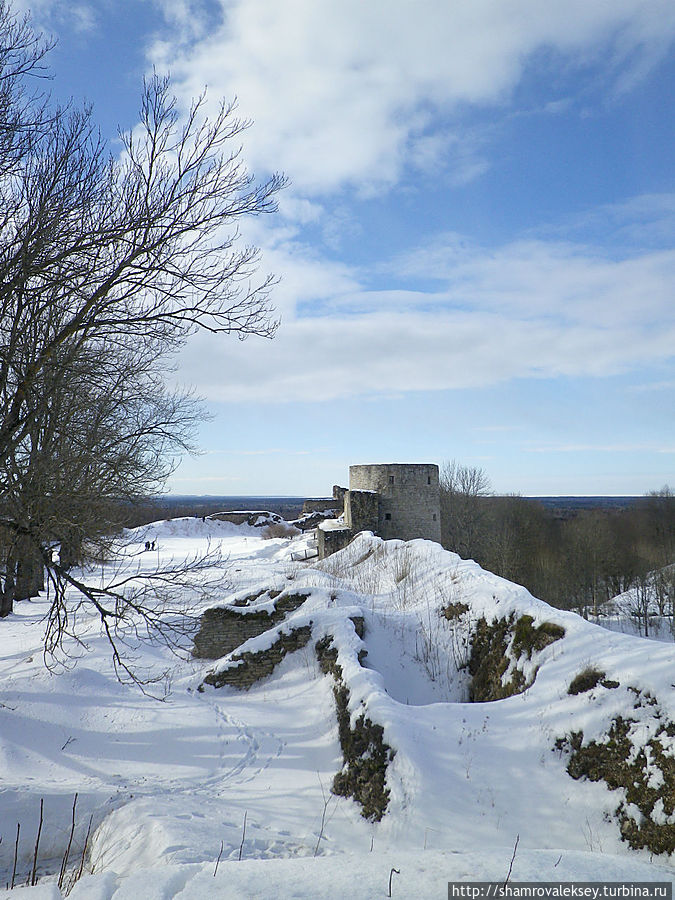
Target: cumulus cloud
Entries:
(350, 93)
(54, 17)
(353, 96)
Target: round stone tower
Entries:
(409, 498)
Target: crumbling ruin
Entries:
(393, 500)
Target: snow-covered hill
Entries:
(390, 640)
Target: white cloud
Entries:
(297, 209)
(345, 93)
(350, 95)
(526, 309)
(84, 18)
(381, 353)
(655, 386)
(53, 17)
(568, 282)
(306, 277)
(647, 220)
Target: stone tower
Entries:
(404, 499)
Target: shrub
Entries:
(279, 530)
(588, 679)
(454, 611)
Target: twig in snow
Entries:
(33, 875)
(69, 741)
(326, 801)
(16, 853)
(515, 849)
(398, 872)
(84, 850)
(218, 860)
(64, 863)
(243, 836)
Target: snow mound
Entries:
(189, 527)
(245, 776)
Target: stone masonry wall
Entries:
(321, 504)
(331, 540)
(362, 510)
(224, 628)
(246, 669)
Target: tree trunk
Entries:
(9, 588)
(70, 552)
(29, 577)
(29, 574)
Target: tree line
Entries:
(577, 561)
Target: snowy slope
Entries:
(245, 775)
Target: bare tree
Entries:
(640, 607)
(106, 267)
(463, 488)
(22, 111)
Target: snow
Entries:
(332, 525)
(169, 785)
(625, 612)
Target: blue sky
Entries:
(475, 253)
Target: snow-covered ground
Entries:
(237, 782)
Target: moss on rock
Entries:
(643, 770)
(365, 754)
(497, 647)
(528, 639)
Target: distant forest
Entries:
(573, 552)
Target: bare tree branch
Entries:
(106, 267)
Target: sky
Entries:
(475, 251)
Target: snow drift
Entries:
(243, 774)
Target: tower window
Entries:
(428, 479)
(391, 479)
(434, 517)
(387, 516)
